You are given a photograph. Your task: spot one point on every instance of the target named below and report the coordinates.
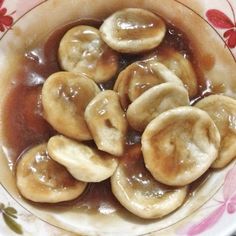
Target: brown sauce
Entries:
(139, 177)
(97, 197)
(146, 25)
(23, 121)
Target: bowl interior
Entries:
(214, 59)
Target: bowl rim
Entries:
(233, 163)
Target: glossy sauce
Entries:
(44, 169)
(96, 198)
(23, 121)
(130, 26)
(138, 176)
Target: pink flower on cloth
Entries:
(23, 6)
(228, 204)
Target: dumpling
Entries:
(153, 102)
(85, 163)
(107, 122)
(140, 76)
(222, 110)
(139, 192)
(41, 179)
(82, 51)
(133, 30)
(180, 66)
(180, 145)
(65, 97)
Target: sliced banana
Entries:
(222, 110)
(180, 66)
(180, 145)
(133, 30)
(82, 50)
(107, 123)
(140, 76)
(40, 179)
(83, 162)
(139, 192)
(153, 102)
(64, 98)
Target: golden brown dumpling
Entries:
(222, 110)
(41, 179)
(133, 30)
(139, 192)
(65, 97)
(180, 145)
(82, 51)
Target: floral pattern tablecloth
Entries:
(217, 217)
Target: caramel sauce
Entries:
(97, 197)
(139, 177)
(23, 121)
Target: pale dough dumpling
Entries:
(85, 163)
(107, 122)
(133, 30)
(153, 102)
(41, 179)
(82, 51)
(222, 110)
(180, 145)
(179, 65)
(139, 192)
(64, 98)
(141, 76)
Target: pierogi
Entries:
(107, 123)
(180, 66)
(82, 51)
(41, 179)
(85, 163)
(133, 30)
(153, 102)
(141, 76)
(139, 192)
(65, 97)
(180, 145)
(222, 110)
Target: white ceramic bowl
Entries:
(34, 27)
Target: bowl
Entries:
(30, 32)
